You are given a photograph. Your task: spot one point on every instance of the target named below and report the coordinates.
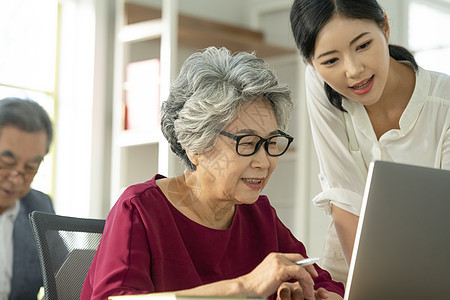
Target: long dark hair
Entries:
(309, 16)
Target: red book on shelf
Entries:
(142, 96)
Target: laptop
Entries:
(402, 245)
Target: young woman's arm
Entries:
(346, 224)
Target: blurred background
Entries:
(101, 68)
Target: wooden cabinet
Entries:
(145, 35)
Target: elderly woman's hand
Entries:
(293, 291)
(273, 273)
(290, 290)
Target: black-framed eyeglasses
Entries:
(249, 144)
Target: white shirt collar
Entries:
(7, 219)
(13, 211)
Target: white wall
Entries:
(84, 108)
(398, 20)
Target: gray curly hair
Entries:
(208, 93)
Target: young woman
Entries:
(367, 100)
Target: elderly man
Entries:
(25, 137)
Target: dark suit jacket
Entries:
(26, 275)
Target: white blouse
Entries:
(346, 144)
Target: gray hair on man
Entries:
(208, 93)
(26, 115)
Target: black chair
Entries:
(66, 247)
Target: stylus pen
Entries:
(306, 261)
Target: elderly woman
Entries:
(209, 231)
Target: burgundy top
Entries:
(149, 246)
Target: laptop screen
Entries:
(402, 245)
